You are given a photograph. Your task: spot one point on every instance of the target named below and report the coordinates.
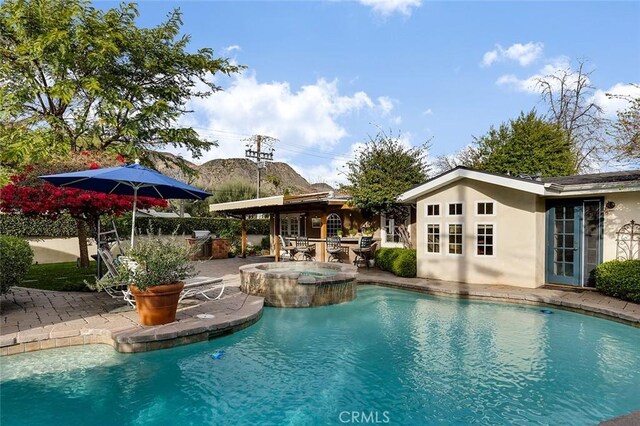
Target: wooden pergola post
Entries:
(276, 233)
(244, 235)
(323, 236)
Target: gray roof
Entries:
(595, 178)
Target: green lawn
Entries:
(59, 276)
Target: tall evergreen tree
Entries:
(527, 145)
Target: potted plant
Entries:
(339, 233)
(154, 270)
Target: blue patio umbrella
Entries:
(132, 179)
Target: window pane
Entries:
(334, 224)
(568, 226)
(436, 209)
(489, 251)
(568, 241)
(568, 269)
(480, 208)
(568, 255)
(489, 208)
(481, 250)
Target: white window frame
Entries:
(288, 217)
(462, 244)
(440, 234)
(383, 231)
(477, 203)
(495, 240)
(426, 210)
(455, 215)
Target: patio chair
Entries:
(286, 250)
(199, 285)
(304, 248)
(334, 249)
(118, 290)
(364, 251)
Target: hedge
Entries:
(619, 278)
(65, 226)
(23, 226)
(399, 261)
(15, 261)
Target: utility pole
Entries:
(260, 147)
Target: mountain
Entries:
(215, 173)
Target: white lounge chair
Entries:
(199, 285)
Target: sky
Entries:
(324, 76)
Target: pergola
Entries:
(322, 202)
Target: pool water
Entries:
(389, 356)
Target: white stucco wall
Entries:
(518, 221)
(627, 208)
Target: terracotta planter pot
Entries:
(157, 305)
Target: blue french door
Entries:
(574, 241)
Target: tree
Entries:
(569, 94)
(467, 157)
(76, 78)
(527, 145)
(381, 171)
(31, 196)
(626, 130)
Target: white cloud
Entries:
(388, 7)
(524, 54)
(610, 106)
(428, 111)
(307, 118)
(530, 84)
(333, 173)
(489, 57)
(386, 104)
(232, 48)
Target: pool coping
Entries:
(237, 311)
(585, 302)
(197, 323)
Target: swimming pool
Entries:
(388, 355)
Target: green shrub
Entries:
(385, 256)
(404, 264)
(399, 261)
(619, 278)
(265, 243)
(23, 226)
(15, 260)
(65, 227)
(224, 227)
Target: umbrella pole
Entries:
(133, 217)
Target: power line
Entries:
(290, 147)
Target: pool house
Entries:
(484, 228)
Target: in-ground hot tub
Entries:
(299, 284)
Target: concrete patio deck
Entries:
(37, 319)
